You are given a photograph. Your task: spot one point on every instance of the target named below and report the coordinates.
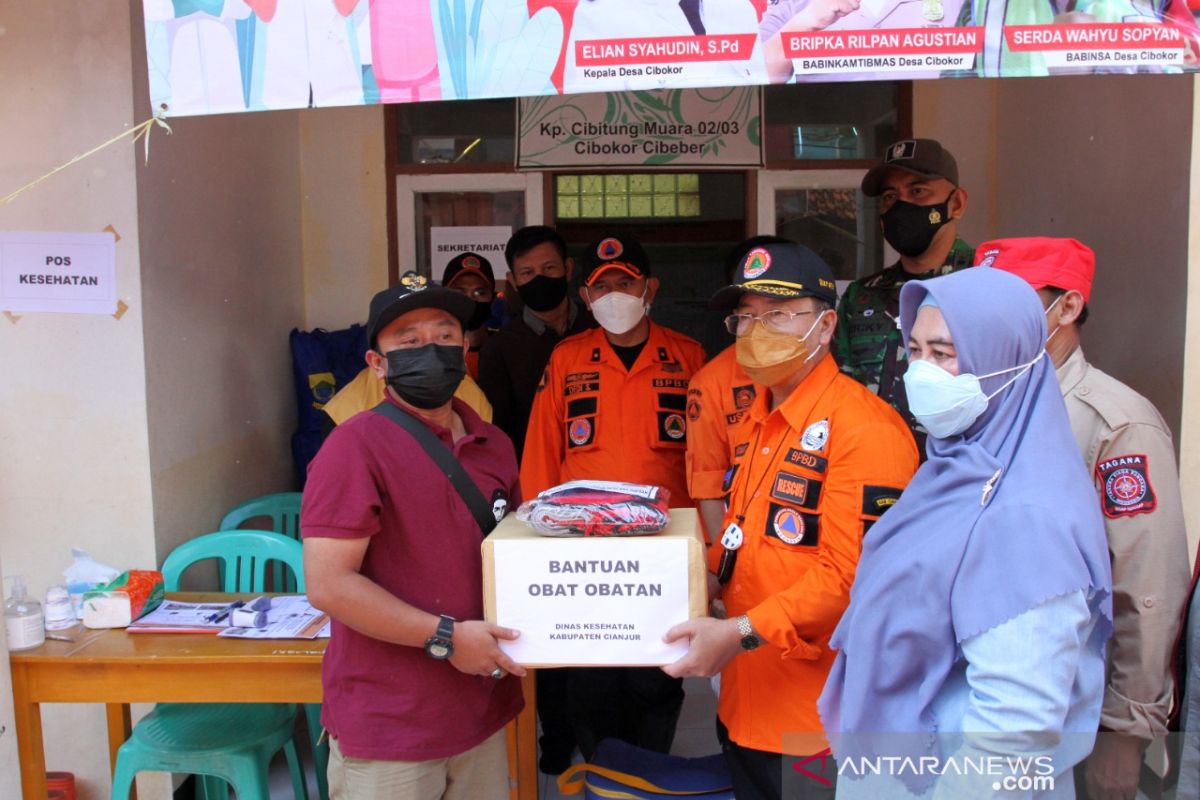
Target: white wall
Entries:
(75, 467)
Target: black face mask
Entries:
(910, 228)
(426, 377)
(543, 293)
(479, 316)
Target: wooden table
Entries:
(117, 668)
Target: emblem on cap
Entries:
(989, 258)
(414, 282)
(758, 261)
(935, 217)
(905, 149)
(471, 262)
(609, 248)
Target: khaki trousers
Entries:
(480, 773)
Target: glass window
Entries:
(828, 122)
(455, 132)
(833, 223)
(623, 196)
(458, 209)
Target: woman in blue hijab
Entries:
(980, 608)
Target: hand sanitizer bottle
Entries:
(22, 618)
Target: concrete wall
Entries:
(75, 467)
(1104, 159)
(1189, 438)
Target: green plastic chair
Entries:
(283, 510)
(219, 742)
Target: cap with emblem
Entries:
(924, 157)
(468, 264)
(781, 270)
(615, 252)
(1042, 261)
(412, 292)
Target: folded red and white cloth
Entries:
(598, 508)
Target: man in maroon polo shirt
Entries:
(417, 691)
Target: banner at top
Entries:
(221, 56)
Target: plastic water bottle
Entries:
(22, 618)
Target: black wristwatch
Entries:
(749, 640)
(440, 646)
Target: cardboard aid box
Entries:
(594, 601)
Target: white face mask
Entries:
(618, 312)
(1057, 328)
(945, 404)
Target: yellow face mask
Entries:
(771, 358)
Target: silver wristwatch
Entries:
(746, 630)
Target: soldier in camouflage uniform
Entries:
(920, 203)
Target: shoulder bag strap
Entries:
(446, 462)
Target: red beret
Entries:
(1042, 261)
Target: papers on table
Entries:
(290, 617)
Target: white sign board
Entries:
(484, 240)
(66, 272)
(592, 601)
(710, 129)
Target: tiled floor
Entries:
(695, 735)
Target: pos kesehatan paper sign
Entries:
(592, 601)
(65, 272)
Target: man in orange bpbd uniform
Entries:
(817, 460)
(612, 405)
(718, 396)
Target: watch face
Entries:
(438, 650)
(749, 642)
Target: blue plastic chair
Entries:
(283, 510)
(219, 742)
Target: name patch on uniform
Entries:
(581, 388)
(1125, 486)
(801, 458)
(670, 383)
(581, 407)
(580, 432)
(576, 377)
(743, 396)
(735, 417)
(671, 427)
(672, 400)
(878, 499)
(792, 527)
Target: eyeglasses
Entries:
(775, 320)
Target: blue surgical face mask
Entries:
(945, 404)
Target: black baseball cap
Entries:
(412, 292)
(466, 264)
(782, 270)
(924, 157)
(615, 252)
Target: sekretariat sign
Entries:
(695, 128)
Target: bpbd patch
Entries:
(743, 396)
(581, 432)
(803, 458)
(1125, 486)
(671, 427)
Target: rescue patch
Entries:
(807, 460)
(1125, 481)
(743, 396)
(671, 427)
(580, 432)
(758, 261)
(693, 409)
(581, 407)
(878, 499)
(792, 527)
(815, 436)
(673, 401)
(790, 488)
